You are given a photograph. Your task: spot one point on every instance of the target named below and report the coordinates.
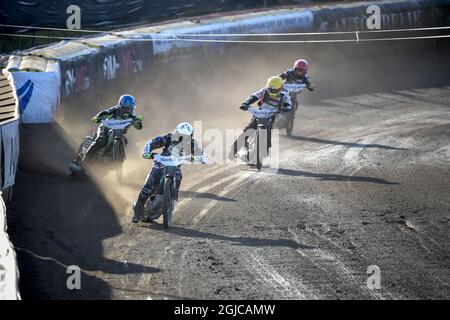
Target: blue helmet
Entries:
(127, 103)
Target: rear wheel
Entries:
(118, 156)
(167, 208)
(258, 149)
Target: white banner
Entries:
(9, 273)
(38, 94)
(10, 145)
(276, 22)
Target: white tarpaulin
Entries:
(9, 273)
(38, 95)
(10, 145)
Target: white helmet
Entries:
(183, 129)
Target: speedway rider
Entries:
(123, 110)
(179, 143)
(297, 75)
(271, 96)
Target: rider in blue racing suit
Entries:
(123, 110)
(179, 142)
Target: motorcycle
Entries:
(254, 144)
(286, 121)
(112, 153)
(166, 192)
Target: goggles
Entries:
(273, 90)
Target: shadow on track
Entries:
(56, 222)
(346, 144)
(332, 177)
(204, 195)
(239, 241)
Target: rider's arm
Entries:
(283, 75)
(153, 144)
(287, 104)
(106, 112)
(254, 97)
(309, 85)
(137, 121)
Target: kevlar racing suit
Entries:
(281, 102)
(291, 77)
(101, 139)
(170, 147)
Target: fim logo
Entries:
(74, 280)
(374, 279)
(24, 93)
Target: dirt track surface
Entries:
(364, 181)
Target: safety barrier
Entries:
(9, 153)
(9, 273)
(9, 133)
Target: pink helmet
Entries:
(301, 64)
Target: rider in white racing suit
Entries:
(179, 142)
(270, 96)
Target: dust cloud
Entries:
(210, 88)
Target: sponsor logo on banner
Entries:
(110, 66)
(352, 20)
(122, 63)
(38, 95)
(24, 93)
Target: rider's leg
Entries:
(146, 192)
(234, 150)
(296, 102)
(178, 178)
(100, 141)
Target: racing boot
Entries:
(75, 166)
(138, 208)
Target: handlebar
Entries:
(177, 159)
(263, 112)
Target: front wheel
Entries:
(167, 208)
(290, 126)
(118, 156)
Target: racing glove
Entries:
(147, 156)
(139, 118)
(311, 86)
(95, 119)
(286, 107)
(244, 107)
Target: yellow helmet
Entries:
(274, 86)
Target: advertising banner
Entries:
(38, 94)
